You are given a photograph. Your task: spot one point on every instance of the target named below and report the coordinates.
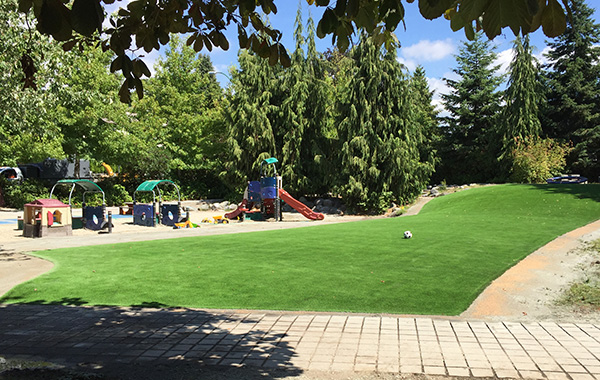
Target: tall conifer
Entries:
(252, 106)
(573, 82)
(304, 115)
(379, 153)
(470, 148)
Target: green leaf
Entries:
(492, 19)
(199, 44)
(327, 24)
(116, 64)
(432, 9)
(139, 87)
(284, 58)
(242, 37)
(124, 94)
(352, 8)
(140, 68)
(25, 5)
(273, 55)
(536, 20)
(87, 16)
(191, 39)
(472, 9)
(554, 21)
(69, 45)
(223, 42)
(457, 22)
(54, 19)
(469, 32)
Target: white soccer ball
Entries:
(407, 234)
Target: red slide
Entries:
(299, 206)
(235, 213)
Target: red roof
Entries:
(47, 203)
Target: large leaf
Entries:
(54, 19)
(432, 9)
(554, 21)
(87, 16)
(25, 5)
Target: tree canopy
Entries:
(147, 24)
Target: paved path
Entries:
(101, 337)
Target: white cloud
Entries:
(541, 56)
(503, 59)
(427, 51)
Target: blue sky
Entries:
(431, 44)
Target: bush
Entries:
(16, 194)
(115, 193)
(536, 159)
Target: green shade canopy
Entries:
(150, 185)
(153, 184)
(87, 185)
(271, 160)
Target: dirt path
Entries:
(528, 291)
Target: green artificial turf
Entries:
(461, 242)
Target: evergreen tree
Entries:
(304, 117)
(470, 138)
(379, 153)
(573, 82)
(523, 99)
(425, 115)
(523, 95)
(253, 104)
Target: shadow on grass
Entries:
(587, 191)
(146, 343)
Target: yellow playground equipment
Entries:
(219, 219)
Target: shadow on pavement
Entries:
(144, 343)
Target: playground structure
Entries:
(93, 217)
(47, 217)
(573, 178)
(262, 199)
(157, 212)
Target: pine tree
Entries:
(470, 148)
(253, 104)
(379, 153)
(523, 99)
(523, 95)
(425, 115)
(573, 81)
(304, 117)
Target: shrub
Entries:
(16, 194)
(535, 159)
(115, 193)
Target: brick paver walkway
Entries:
(302, 341)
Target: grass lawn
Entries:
(461, 243)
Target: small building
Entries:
(47, 217)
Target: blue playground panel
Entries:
(94, 217)
(143, 215)
(170, 214)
